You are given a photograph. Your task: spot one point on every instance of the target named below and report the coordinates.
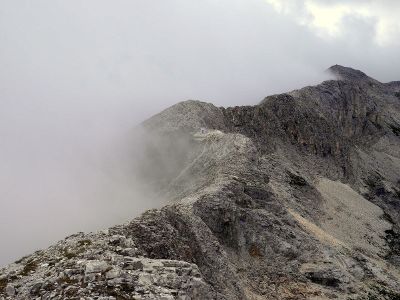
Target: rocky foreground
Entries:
(297, 197)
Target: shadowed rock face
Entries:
(297, 197)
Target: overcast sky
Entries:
(76, 75)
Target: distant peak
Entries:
(346, 73)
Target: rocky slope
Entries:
(297, 197)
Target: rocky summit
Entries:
(297, 197)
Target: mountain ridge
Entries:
(297, 197)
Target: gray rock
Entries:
(36, 288)
(10, 290)
(294, 198)
(112, 274)
(96, 267)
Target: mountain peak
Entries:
(347, 73)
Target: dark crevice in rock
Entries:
(296, 180)
(323, 279)
(395, 129)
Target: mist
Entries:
(77, 76)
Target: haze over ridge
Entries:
(76, 76)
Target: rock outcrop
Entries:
(297, 197)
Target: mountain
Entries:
(297, 197)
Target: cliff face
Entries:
(297, 197)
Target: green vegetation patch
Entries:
(3, 284)
(72, 253)
(29, 267)
(255, 251)
(83, 243)
(67, 281)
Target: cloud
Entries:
(327, 17)
(76, 76)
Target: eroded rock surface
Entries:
(297, 197)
